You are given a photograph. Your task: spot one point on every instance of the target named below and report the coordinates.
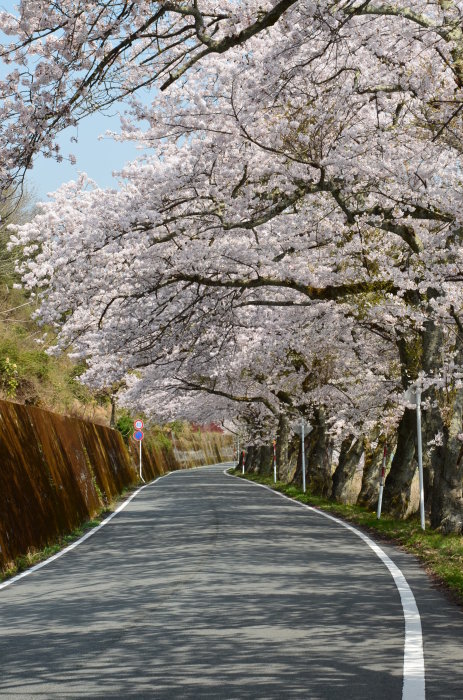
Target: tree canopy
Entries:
(293, 238)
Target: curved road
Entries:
(207, 586)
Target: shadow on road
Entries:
(207, 587)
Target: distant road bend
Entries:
(207, 586)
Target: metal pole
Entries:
(420, 454)
(141, 473)
(303, 456)
(274, 461)
(238, 454)
(381, 483)
(243, 462)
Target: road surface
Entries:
(208, 586)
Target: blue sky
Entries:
(99, 158)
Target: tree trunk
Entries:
(369, 491)
(447, 501)
(266, 460)
(294, 450)
(397, 488)
(447, 496)
(433, 457)
(424, 354)
(351, 451)
(261, 460)
(112, 420)
(432, 418)
(318, 457)
(398, 484)
(249, 458)
(284, 463)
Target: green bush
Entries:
(35, 363)
(161, 441)
(124, 425)
(9, 348)
(177, 427)
(9, 376)
(78, 390)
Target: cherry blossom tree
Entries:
(305, 164)
(68, 60)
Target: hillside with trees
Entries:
(28, 374)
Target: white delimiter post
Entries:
(420, 454)
(303, 456)
(274, 462)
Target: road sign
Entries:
(410, 395)
(138, 424)
(138, 435)
(297, 427)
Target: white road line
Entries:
(413, 670)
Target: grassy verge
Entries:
(442, 555)
(35, 556)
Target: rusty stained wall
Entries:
(199, 448)
(56, 472)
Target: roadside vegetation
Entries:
(441, 555)
(27, 373)
(155, 436)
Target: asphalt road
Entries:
(207, 586)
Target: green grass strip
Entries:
(441, 555)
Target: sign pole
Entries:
(141, 473)
(138, 435)
(413, 396)
(420, 454)
(303, 456)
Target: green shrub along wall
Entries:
(56, 472)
